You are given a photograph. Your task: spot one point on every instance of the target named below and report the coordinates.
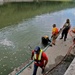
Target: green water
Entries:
(16, 42)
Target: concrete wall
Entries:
(17, 0)
(1, 2)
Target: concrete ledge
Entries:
(71, 68)
(1, 2)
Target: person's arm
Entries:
(32, 55)
(69, 26)
(46, 60)
(64, 25)
(45, 63)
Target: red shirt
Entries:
(43, 58)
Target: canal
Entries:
(16, 42)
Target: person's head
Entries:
(37, 49)
(67, 21)
(54, 25)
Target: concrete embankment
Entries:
(55, 55)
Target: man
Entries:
(55, 32)
(65, 30)
(40, 59)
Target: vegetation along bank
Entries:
(12, 13)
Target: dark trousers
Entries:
(35, 69)
(64, 34)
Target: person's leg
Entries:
(35, 69)
(53, 40)
(62, 35)
(65, 36)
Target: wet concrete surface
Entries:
(63, 66)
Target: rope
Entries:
(33, 60)
(24, 68)
(57, 34)
(55, 66)
(29, 63)
(70, 34)
(70, 48)
(62, 59)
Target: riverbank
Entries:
(12, 13)
(56, 54)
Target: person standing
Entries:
(40, 59)
(55, 32)
(65, 30)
